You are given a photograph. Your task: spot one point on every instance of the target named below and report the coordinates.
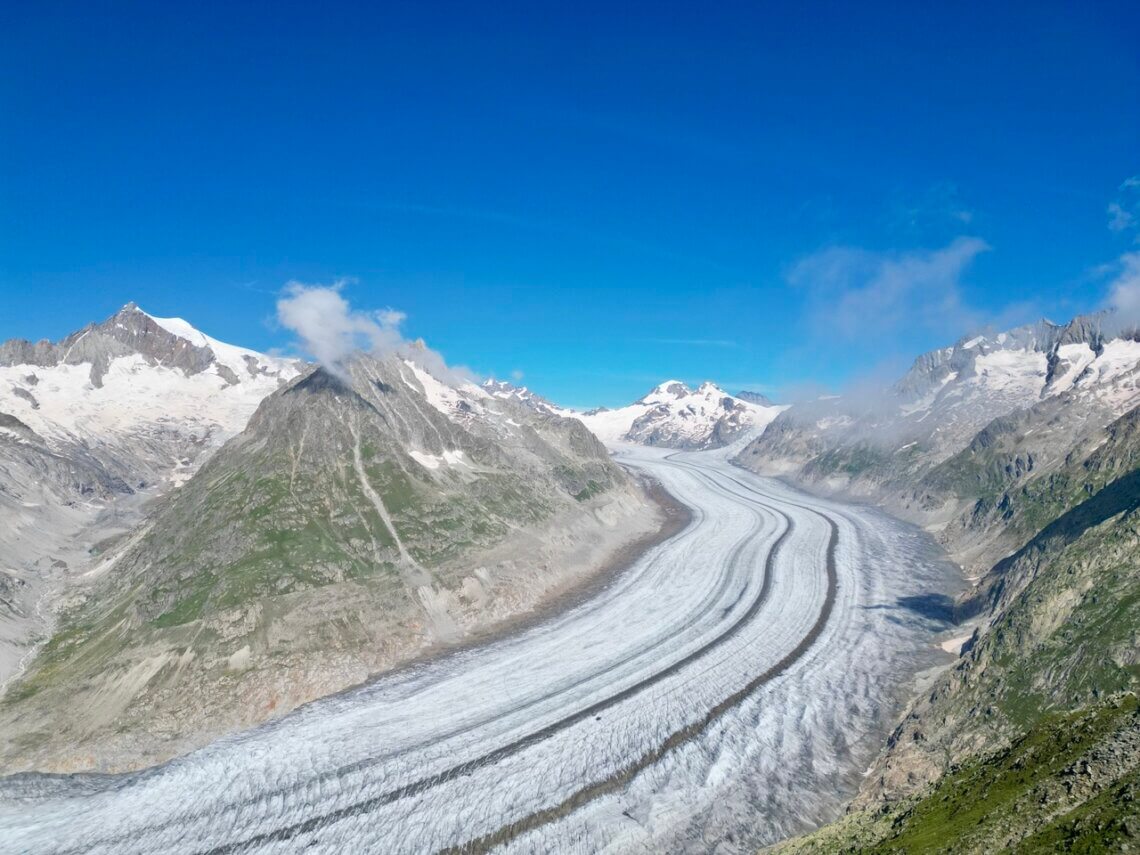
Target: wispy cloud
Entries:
(1124, 273)
(330, 330)
(937, 208)
(1119, 219)
(1124, 210)
(1124, 289)
(858, 294)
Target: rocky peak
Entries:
(669, 390)
(505, 391)
(169, 342)
(141, 333)
(932, 368)
(502, 387)
(128, 331)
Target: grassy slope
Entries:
(1070, 784)
(1014, 487)
(1065, 633)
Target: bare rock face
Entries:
(128, 331)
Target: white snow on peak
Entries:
(1006, 373)
(434, 461)
(233, 357)
(139, 400)
(674, 414)
(670, 390)
(447, 399)
(181, 328)
(523, 395)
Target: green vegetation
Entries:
(1032, 755)
(591, 489)
(1069, 636)
(1071, 784)
(998, 471)
(189, 608)
(83, 642)
(852, 460)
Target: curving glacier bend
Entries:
(723, 692)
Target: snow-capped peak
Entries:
(522, 395)
(677, 416)
(240, 360)
(135, 377)
(668, 391)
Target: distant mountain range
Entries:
(978, 415)
(673, 415)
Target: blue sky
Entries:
(598, 197)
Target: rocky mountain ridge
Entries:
(925, 445)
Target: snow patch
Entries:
(434, 461)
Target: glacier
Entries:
(724, 691)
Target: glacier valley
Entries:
(726, 690)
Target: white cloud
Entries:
(855, 293)
(330, 330)
(1124, 286)
(1124, 291)
(1118, 218)
(1124, 210)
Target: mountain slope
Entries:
(1070, 784)
(1046, 504)
(876, 440)
(363, 516)
(966, 423)
(674, 416)
(91, 429)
